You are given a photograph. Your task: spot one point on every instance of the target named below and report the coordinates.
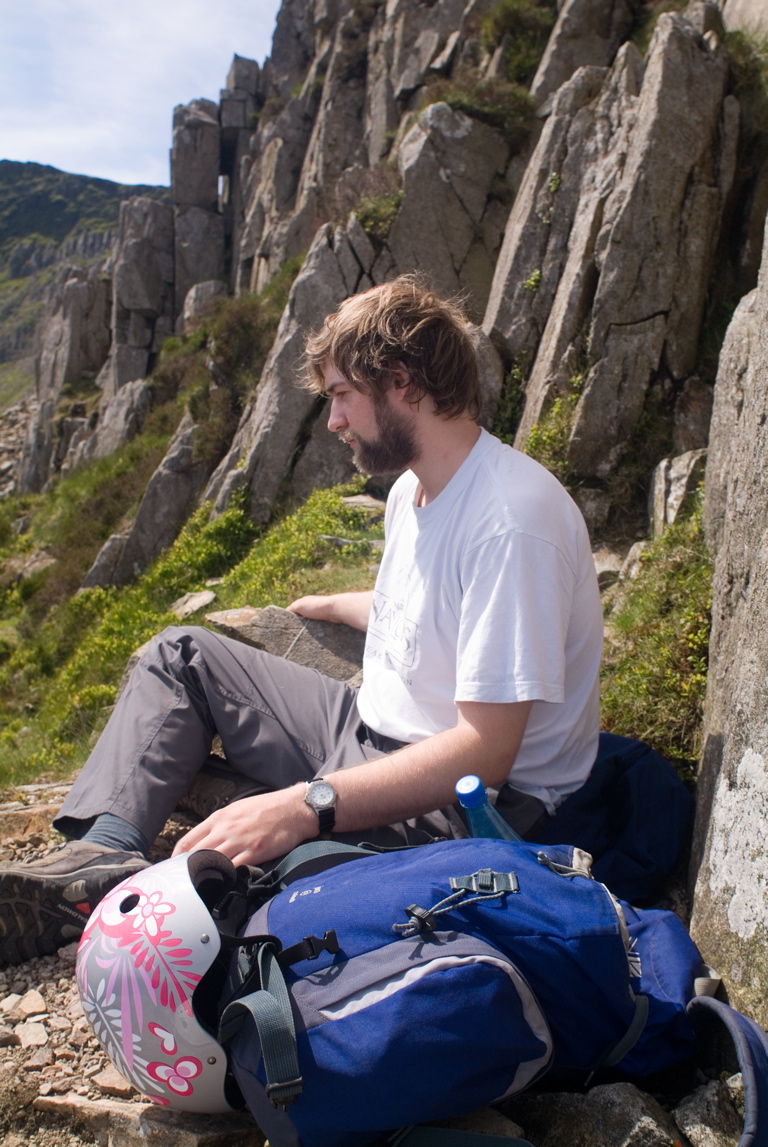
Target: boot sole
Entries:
(36, 920)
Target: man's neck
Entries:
(446, 445)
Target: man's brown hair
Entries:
(400, 326)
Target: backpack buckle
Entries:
(309, 948)
(293, 1086)
(486, 882)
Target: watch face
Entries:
(321, 795)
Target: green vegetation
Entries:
(748, 80)
(655, 661)
(528, 24)
(59, 680)
(533, 282)
(510, 407)
(502, 104)
(548, 439)
(16, 379)
(377, 213)
(554, 181)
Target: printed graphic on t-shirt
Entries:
(390, 625)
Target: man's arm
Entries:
(348, 608)
(401, 785)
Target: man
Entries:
(483, 644)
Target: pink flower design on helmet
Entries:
(167, 1039)
(177, 1077)
(152, 912)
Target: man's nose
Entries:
(336, 419)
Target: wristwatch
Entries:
(321, 796)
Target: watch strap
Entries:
(326, 819)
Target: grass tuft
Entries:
(657, 641)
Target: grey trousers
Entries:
(279, 723)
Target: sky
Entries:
(89, 86)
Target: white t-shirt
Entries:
(489, 593)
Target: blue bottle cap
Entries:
(470, 791)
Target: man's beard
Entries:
(394, 449)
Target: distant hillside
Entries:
(36, 200)
(47, 218)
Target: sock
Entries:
(114, 832)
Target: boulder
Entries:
(613, 1115)
(120, 419)
(674, 480)
(199, 299)
(730, 855)
(336, 650)
(613, 232)
(102, 572)
(708, 1117)
(447, 163)
(195, 155)
(587, 32)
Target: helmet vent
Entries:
(129, 903)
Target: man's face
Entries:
(381, 435)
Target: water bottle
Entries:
(482, 816)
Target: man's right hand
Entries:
(342, 608)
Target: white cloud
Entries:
(89, 86)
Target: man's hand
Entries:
(255, 829)
(342, 608)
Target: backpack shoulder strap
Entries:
(711, 1018)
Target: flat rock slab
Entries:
(118, 1124)
(336, 650)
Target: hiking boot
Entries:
(46, 903)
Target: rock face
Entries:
(746, 15)
(269, 428)
(74, 343)
(730, 919)
(143, 281)
(613, 233)
(587, 32)
(169, 498)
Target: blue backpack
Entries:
(415, 985)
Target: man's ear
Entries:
(402, 386)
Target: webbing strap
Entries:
(315, 850)
(270, 1009)
(631, 1036)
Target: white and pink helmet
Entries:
(144, 951)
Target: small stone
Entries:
(9, 1003)
(111, 1082)
(30, 1004)
(59, 1024)
(32, 1035)
(39, 1059)
(8, 1038)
